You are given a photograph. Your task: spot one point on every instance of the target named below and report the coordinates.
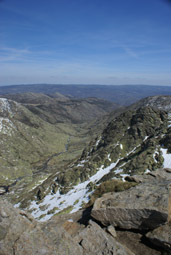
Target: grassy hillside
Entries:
(40, 136)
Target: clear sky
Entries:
(85, 42)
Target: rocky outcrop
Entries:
(169, 205)
(95, 241)
(137, 243)
(142, 219)
(158, 102)
(61, 239)
(133, 140)
(21, 234)
(161, 236)
(143, 207)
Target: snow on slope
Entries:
(4, 105)
(78, 195)
(6, 125)
(169, 119)
(167, 158)
(166, 155)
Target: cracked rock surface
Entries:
(144, 207)
(21, 234)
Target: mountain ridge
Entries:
(120, 94)
(136, 141)
(33, 144)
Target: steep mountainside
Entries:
(60, 109)
(35, 98)
(122, 94)
(27, 142)
(136, 141)
(74, 111)
(158, 102)
(40, 136)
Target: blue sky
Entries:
(85, 42)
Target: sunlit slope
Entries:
(26, 141)
(136, 141)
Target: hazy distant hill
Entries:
(57, 108)
(121, 94)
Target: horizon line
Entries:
(81, 84)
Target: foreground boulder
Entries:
(94, 240)
(88, 240)
(21, 234)
(161, 236)
(144, 207)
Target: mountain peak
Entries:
(160, 102)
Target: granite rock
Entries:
(143, 207)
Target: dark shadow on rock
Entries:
(154, 220)
(147, 242)
(86, 216)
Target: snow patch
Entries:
(155, 153)
(80, 165)
(6, 126)
(167, 158)
(98, 141)
(70, 220)
(133, 150)
(17, 205)
(169, 119)
(145, 138)
(109, 157)
(115, 145)
(4, 105)
(123, 176)
(83, 161)
(147, 171)
(78, 195)
(118, 171)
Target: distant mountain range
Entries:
(57, 108)
(120, 94)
